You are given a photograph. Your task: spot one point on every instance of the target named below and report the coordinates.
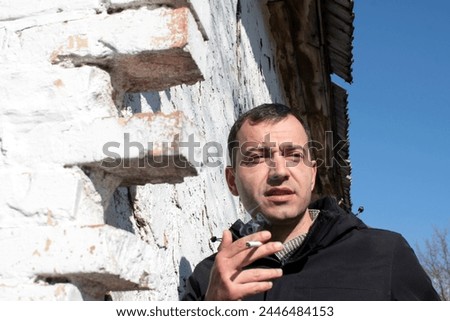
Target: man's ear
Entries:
(313, 174)
(231, 180)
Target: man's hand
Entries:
(229, 280)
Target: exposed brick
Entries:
(96, 259)
(64, 67)
(159, 58)
(41, 292)
(160, 160)
(48, 196)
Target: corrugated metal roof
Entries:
(341, 123)
(314, 40)
(337, 17)
(337, 20)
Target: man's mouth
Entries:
(279, 191)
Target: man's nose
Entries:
(278, 172)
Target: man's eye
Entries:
(255, 157)
(296, 157)
(252, 159)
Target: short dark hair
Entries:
(272, 112)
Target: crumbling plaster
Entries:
(76, 75)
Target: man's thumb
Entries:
(227, 239)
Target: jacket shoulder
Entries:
(408, 279)
(384, 234)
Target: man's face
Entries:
(272, 173)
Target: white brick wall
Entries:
(76, 75)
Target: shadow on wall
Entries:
(119, 211)
(250, 23)
(152, 100)
(185, 271)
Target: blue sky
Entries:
(399, 106)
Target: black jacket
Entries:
(340, 259)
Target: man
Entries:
(306, 251)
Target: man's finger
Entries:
(241, 244)
(258, 275)
(250, 255)
(253, 288)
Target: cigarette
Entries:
(253, 243)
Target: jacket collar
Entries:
(331, 224)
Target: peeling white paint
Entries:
(55, 117)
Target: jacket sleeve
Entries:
(192, 291)
(197, 283)
(409, 280)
